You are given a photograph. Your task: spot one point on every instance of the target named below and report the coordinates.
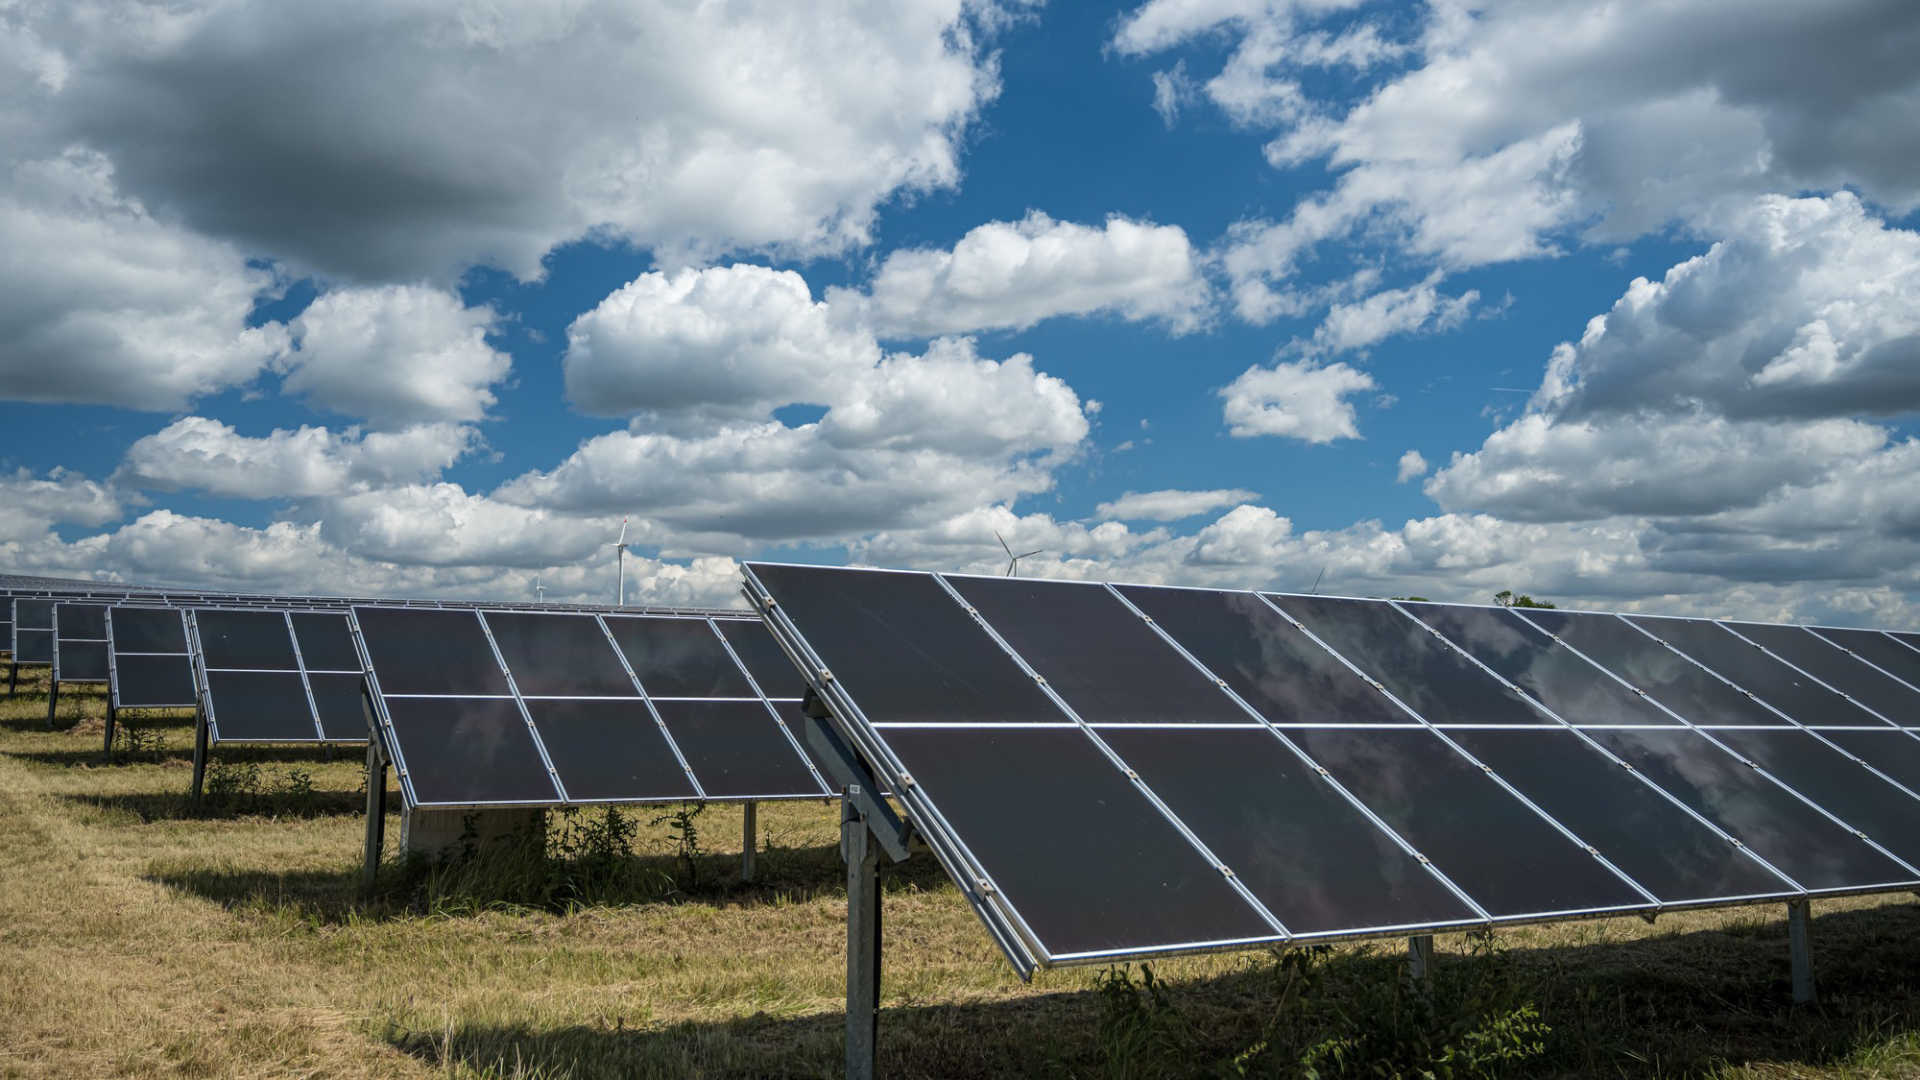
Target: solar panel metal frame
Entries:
(1023, 947)
(374, 700)
(35, 629)
(203, 685)
(114, 653)
(105, 642)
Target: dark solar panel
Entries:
(1434, 680)
(463, 751)
(337, 698)
(430, 652)
(148, 630)
(1668, 677)
(560, 655)
(1303, 849)
(760, 654)
(32, 646)
(1275, 668)
(1888, 815)
(81, 622)
(259, 706)
(1879, 650)
(1121, 878)
(1552, 673)
(326, 641)
(1504, 855)
(610, 750)
(1671, 853)
(81, 661)
(1800, 841)
(245, 640)
(736, 749)
(1741, 663)
(1894, 753)
(678, 657)
(153, 681)
(1828, 663)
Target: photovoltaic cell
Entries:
(1824, 661)
(911, 653)
(1879, 650)
(1747, 667)
(32, 646)
(148, 630)
(1668, 677)
(154, 681)
(82, 661)
(610, 750)
(260, 706)
(760, 654)
(337, 697)
(1104, 660)
(245, 640)
(736, 748)
(1498, 851)
(1301, 847)
(1554, 675)
(326, 641)
(462, 751)
(678, 657)
(1436, 681)
(560, 655)
(1274, 667)
(1887, 815)
(1895, 753)
(1797, 839)
(86, 622)
(1120, 877)
(1668, 851)
(419, 651)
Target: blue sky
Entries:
(387, 298)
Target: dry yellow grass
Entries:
(138, 938)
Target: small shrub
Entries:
(139, 743)
(232, 785)
(683, 830)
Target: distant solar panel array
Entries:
(519, 708)
(1218, 769)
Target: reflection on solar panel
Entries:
(481, 708)
(1237, 768)
(260, 685)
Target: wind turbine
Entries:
(620, 557)
(539, 592)
(1013, 561)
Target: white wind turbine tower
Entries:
(620, 557)
(1013, 561)
(539, 592)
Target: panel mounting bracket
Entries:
(854, 779)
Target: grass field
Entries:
(139, 937)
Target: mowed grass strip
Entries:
(142, 937)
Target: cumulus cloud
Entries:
(394, 355)
(1011, 275)
(1304, 400)
(1413, 465)
(203, 454)
(103, 303)
(1390, 312)
(1521, 126)
(411, 141)
(1170, 505)
(30, 505)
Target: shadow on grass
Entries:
(150, 807)
(1672, 1005)
(289, 754)
(413, 888)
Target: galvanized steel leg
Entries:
(376, 815)
(106, 747)
(199, 754)
(748, 843)
(13, 678)
(1797, 943)
(1420, 960)
(53, 698)
(863, 941)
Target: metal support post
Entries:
(53, 699)
(113, 716)
(749, 842)
(863, 937)
(1420, 960)
(376, 815)
(1797, 943)
(13, 678)
(199, 754)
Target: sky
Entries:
(1613, 304)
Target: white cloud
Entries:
(1304, 400)
(1170, 505)
(410, 141)
(394, 355)
(1367, 322)
(1011, 275)
(103, 303)
(30, 506)
(200, 453)
(1413, 465)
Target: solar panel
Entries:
(1233, 768)
(1880, 650)
(32, 631)
(80, 643)
(273, 676)
(152, 667)
(1864, 685)
(482, 707)
(1751, 668)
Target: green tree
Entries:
(1508, 598)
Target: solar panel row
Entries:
(1230, 768)
(277, 676)
(514, 708)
